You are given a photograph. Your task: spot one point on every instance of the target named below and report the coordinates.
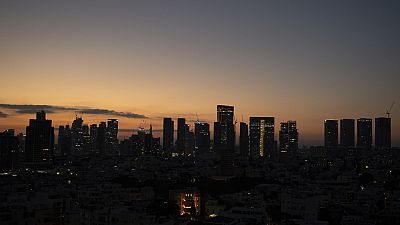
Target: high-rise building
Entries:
(347, 130)
(189, 141)
(168, 135)
(224, 138)
(86, 139)
(262, 136)
(93, 138)
(383, 137)
(364, 133)
(244, 139)
(101, 138)
(77, 136)
(181, 136)
(64, 140)
(331, 133)
(39, 142)
(9, 149)
(288, 137)
(202, 137)
(112, 136)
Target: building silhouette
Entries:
(262, 136)
(112, 146)
(168, 135)
(347, 133)
(331, 133)
(244, 140)
(181, 136)
(364, 133)
(93, 137)
(9, 149)
(383, 132)
(101, 138)
(64, 140)
(202, 137)
(39, 142)
(224, 137)
(288, 137)
(77, 136)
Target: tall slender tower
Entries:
(168, 135)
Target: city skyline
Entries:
(309, 62)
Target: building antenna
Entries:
(390, 109)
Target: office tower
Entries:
(202, 137)
(39, 142)
(347, 136)
(64, 140)
(86, 139)
(383, 137)
(262, 136)
(244, 139)
(9, 149)
(112, 136)
(77, 136)
(101, 138)
(224, 138)
(168, 135)
(288, 137)
(224, 129)
(189, 141)
(331, 133)
(93, 138)
(364, 133)
(181, 136)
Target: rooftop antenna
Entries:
(389, 110)
(197, 118)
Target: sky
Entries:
(139, 61)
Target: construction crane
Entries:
(389, 110)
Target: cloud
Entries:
(3, 115)
(30, 109)
(111, 113)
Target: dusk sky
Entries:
(295, 60)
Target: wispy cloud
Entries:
(3, 115)
(29, 109)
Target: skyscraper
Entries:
(202, 137)
(77, 136)
(288, 137)
(101, 137)
(347, 136)
(224, 138)
(364, 133)
(86, 139)
(331, 133)
(262, 136)
(383, 137)
(244, 139)
(39, 142)
(168, 135)
(93, 138)
(64, 140)
(112, 136)
(181, 136)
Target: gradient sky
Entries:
(299, 60)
